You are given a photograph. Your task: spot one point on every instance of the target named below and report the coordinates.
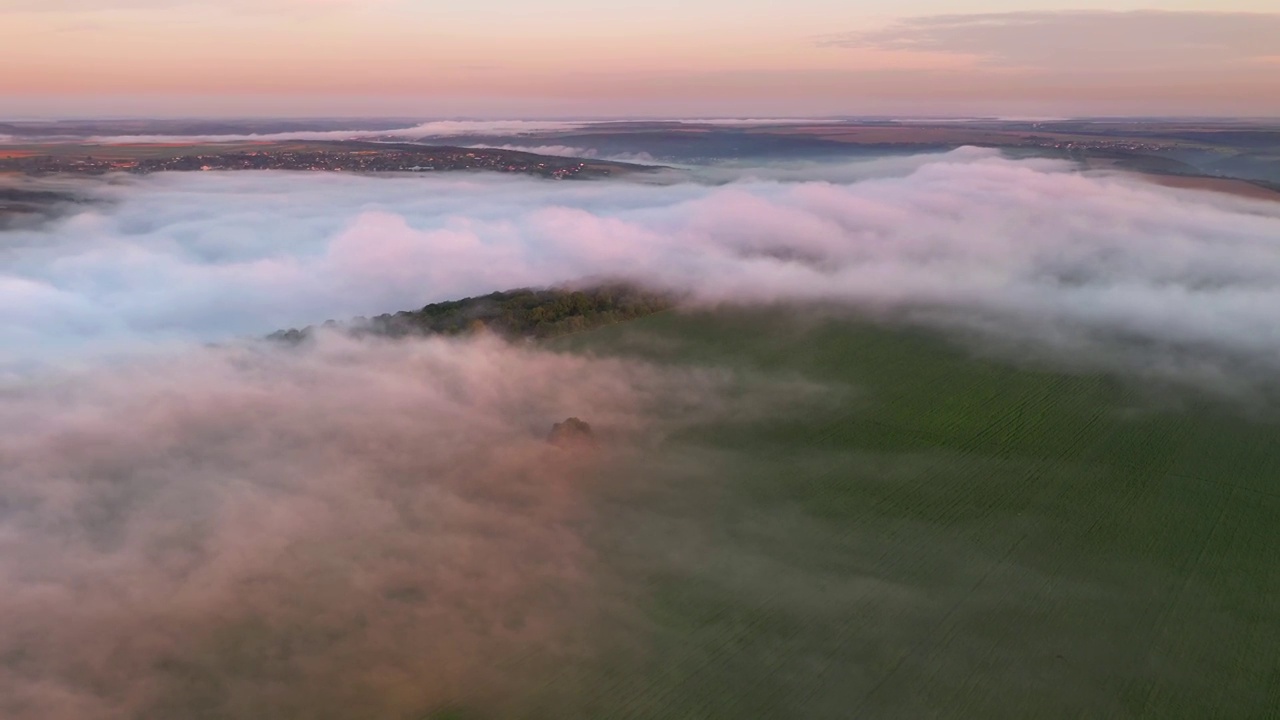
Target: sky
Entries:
(628, 58)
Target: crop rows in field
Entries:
(1066, 549)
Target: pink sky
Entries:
(624, 57)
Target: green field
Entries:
(922, 533)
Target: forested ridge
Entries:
(521, 313)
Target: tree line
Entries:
(522, 313)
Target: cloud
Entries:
(451, 128)
(435, 129)
(378, 525)
(431, 130)
(639, 158)
(180, 257)
(256, 530)
(557, 150)
(1091, 41)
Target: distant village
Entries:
(425, 159)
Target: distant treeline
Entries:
(523, 313)
(20, 205)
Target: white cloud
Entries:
(557, 150)
(436, 129)
(381, 521)
(177, 257)
(639, 158)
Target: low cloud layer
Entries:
(1036, 243)
(434, 130)
(641, 158)
(437, 129)
(345, 530)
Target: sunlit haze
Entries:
(612, 58)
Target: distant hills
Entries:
(330, 156)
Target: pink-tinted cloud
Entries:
(1034, 242)
(351, 528)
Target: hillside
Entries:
(522, 313)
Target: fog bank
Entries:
(249, 530)
(345, 530)
(1033, 244)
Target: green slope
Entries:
(935, 535)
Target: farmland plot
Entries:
(951, 536)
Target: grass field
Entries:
(934, 535)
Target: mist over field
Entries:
(372, 525)
(620, 360)
(194, 523)
(331, 130)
